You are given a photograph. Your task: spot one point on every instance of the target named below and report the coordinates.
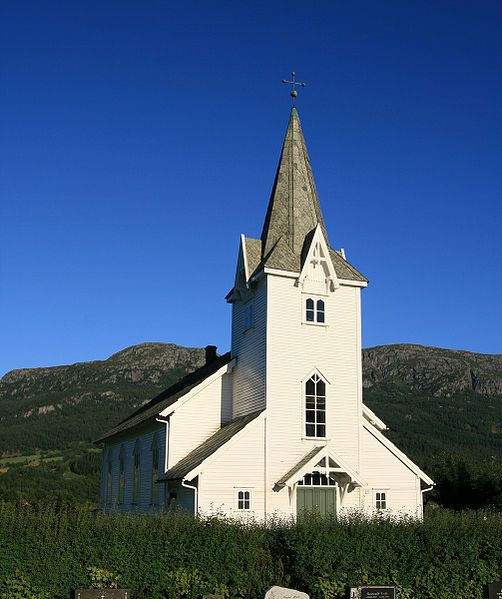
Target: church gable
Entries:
(318, 274)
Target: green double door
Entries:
(319, 500)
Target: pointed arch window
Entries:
(315, 407)
(136, 472)
(121, 474)
(320, 311)
(154, 492)
(315, 311)
(109, 478)
(310, 313)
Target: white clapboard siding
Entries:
(239, 465)
(249, 345)
(145, 438)
(196, 420)
(383, 471)
(295, 350)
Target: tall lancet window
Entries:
(121, 474)
(109, 478)
(315, 407)
(136, 472)
(154, 493)
(320, 310)
(310, 313)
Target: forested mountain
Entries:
(436, 400)
(52, 408)
(433, 400)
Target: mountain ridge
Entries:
(433, 400)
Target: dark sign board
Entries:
(102, 594)
(377, 592)
(495, 590)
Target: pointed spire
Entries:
(293, 209)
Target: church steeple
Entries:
(294, 210)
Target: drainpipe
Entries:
(426, 490)
(195, 498)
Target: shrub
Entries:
(449, 556)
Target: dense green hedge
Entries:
(49, 551)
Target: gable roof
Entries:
(299, 465)
(169, 396)
(208, 447)
(309, 461)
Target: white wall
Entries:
(197, 419)
(294, 350)
(250, 348)
(383, 471)
(239, 465)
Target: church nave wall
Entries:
(124, 449)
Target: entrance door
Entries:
(320, 500)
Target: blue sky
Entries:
(139, 139)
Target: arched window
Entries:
(315, 311)
(320, 311)
(154, 492)
(121, 474)
(136, 472)
(315, 407)
(109, 478)
(310, 310)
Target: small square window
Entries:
(380, 500)
(243, 500)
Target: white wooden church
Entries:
(277, 425)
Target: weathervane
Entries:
(293, 93)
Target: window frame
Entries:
(109, 478)
(318, 399)
(378, 500)
(121, 475)
(249, 500)
(314, 314)
(154, 474)
(136, 473)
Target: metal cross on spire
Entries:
(293, 93)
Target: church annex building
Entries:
(277, 425)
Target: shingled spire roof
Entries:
(293, 210)
(292, 216)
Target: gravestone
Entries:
(102, 594)
(213, 597)
(373, 592)
(284, 593)
(494, 590)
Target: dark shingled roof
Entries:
(282, 258)
(169, 396)
(253, 254)
(299, 465)
(206, 449)
(293, 214)
(293, 209)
